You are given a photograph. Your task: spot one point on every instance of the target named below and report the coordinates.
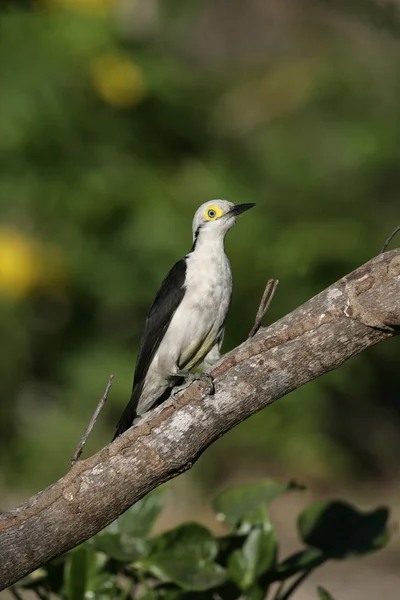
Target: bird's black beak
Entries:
(240, 208)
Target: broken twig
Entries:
(391, 236)
(76, 455)
(265, 303)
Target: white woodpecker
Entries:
(185, 325)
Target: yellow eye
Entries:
(212, 213)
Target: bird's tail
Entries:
(129, 414)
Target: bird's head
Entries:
(217, 216)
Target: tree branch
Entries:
(355, 313)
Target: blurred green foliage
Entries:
(124, 561)
(111, 135)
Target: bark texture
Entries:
(355, 313)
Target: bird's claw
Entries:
(189, 379)
(209, 379)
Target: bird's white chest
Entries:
(199, 319)
(209, 282)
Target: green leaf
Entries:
(120, 547)
(258, 517)
(185, 556)
(55, 572)
(187, 538)
(138, 521)
(255, 593)
(188, 574)
(100, 583)
(299, 562)
(340, 530)
(76, 572)
(323, 594)
(228, 544)
(235, 504)
(123, 539)
(162, 592)
(86, 574)
(255, 558)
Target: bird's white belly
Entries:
(198, 321)
(195, 326)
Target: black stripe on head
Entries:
(195, 238)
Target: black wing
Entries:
(167, 300)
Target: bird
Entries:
(186, 322)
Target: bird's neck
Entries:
(208, 242)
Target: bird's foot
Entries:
(189, 378)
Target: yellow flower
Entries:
(118, 80)
(24, 264)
